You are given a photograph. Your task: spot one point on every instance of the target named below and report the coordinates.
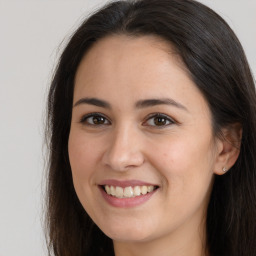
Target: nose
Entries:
(124, 150)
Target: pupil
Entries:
(98, 120)
(160, 121)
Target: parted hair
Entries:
(215, 61)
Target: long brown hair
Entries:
(218, 66)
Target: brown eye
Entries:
(158, 120)
(98, 120)
(95, 119)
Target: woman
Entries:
(152, 135)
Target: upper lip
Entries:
(125, 183)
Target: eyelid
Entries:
(84, 117)
(167, 117)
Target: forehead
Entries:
(134, 68)
(121, 52)
(119, 55)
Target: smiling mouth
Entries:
(128, 192)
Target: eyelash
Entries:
(161, 116)
(167, 121)
(84, 119)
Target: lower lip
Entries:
(126, 202)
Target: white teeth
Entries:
(112, 191)
(128, 192)
(136, 191)
(144, 190)
(107, 189)
(150, 189)
(119, 192)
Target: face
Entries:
(141, 145)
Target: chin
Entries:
(127, 233)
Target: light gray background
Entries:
(31, 33)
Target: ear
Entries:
(228, 148)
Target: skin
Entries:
(180, 155)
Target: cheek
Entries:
(183, 153)
(187, 169)
(82, 157)
(186, 162)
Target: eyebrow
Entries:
(94, 102)
(139, 104)
(155, 102)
